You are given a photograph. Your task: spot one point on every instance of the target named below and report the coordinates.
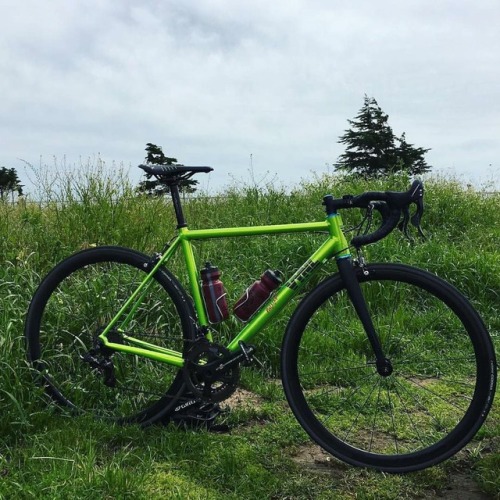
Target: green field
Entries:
(45, 453)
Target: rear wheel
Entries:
(438, 394)
(74, 304)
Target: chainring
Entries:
(205, 374)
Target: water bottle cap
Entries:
(209, 270)
(274, 276)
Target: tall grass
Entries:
(99, 207)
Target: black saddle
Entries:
(171, 172)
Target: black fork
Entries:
(348, 275)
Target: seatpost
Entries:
(174, 191)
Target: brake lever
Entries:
(414, 219)
(416, 197)
(417, 217)
(403, 225)
(383, 210)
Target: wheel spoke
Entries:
(408, 415)
(437, 360)
(336, 368)
(434, 393)
(375, 413)
(347, 398)
(331, 337)
(360, 411)
(394, 304)
(392, 418)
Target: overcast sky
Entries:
(214, 82)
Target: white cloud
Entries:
(213, 81)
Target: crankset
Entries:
(212, 372)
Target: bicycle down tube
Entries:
(336, 245)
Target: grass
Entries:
(45, 454)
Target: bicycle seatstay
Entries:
(146, 349)
(135, 299)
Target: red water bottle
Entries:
(256, 294)
(214, 294)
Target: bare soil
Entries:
(242, 399)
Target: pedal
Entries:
(194, 414)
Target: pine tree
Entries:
(156, 156)
(371, 149)
(411, 159)
(9, 183)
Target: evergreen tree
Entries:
(156, 156)
(371, 149)
(9, 183)
(411, 159)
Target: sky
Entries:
(237, 84)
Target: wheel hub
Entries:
(384, 367)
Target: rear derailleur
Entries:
(99, 357)
(211, 372)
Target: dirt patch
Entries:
(315, 458)
(462, 487)
(242, 399)
(423, 382)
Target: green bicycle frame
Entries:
(334, 246)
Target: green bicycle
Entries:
(384, 365)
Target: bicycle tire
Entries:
(443, 380)
(74, 303)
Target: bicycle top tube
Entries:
(229, 232)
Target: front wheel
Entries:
(443, 370)
(71, 308)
